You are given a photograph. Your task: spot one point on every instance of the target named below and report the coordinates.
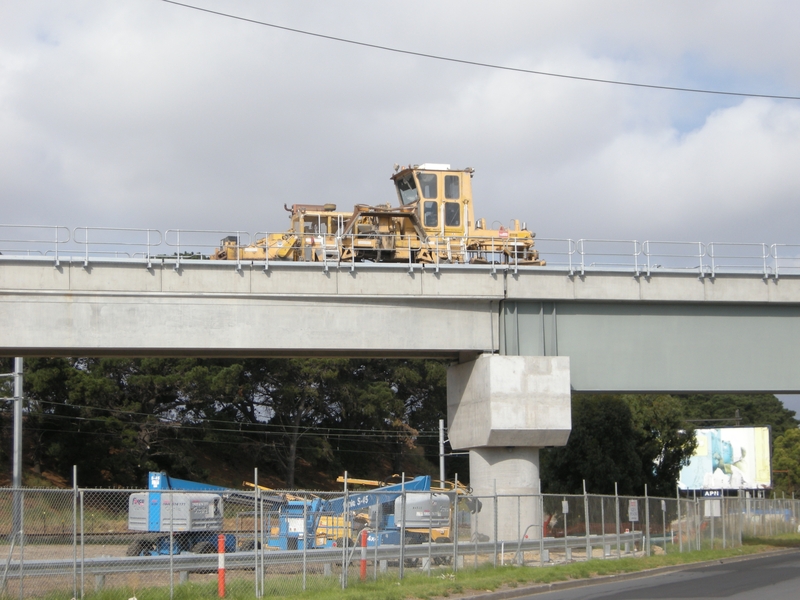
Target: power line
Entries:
(482, 64)
(249, 427)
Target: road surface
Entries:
(776, 577)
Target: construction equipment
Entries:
(191, 517)
(422, 515)
(315, 522)
(434, 223)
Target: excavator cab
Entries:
(440, 196)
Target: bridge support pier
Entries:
(503, 409)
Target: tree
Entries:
(754, 409)
(99, 414)
(663, 441)
(630, 440)
(786, 462)
(602, 450)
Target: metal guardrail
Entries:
(85, 244)
(108, 565)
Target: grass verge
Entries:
(445, 583)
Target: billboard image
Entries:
(729, 458)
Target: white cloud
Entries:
(147, 114)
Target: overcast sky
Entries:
(140, 113)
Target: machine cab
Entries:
(442, 197)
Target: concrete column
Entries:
(503, 409)
(516, 471)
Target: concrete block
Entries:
(509, 401)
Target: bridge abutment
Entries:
(503, 409)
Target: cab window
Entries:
(430, 217)
(427, 182)
(407, 188)
(452, 214)
(451, 185)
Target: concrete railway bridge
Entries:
(521, 338)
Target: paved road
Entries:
(772, 577)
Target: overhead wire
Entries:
(250, 427)
(483, 64)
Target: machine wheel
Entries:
(247, 546)
(139, 548)
(443, 540)
(204, 548)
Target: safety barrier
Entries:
(176, 246)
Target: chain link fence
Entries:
(74, 543)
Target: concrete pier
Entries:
(503, 409)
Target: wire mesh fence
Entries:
(74, 543)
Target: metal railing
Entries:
(57, 243)
(96, 237)
(19, 240)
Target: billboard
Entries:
(729, 458)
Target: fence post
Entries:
(541, 525)
(455, 528)
(171, 546)
(616, 510)
(603, 522)
(647, 520)
(723, 514)
(402, 525)
(680, 526)
(305, 542)
(344, 536)
(565, 510)
(21, 514)
(83, 550)
(586, 523)
(430, 534)
(74, 531)
(255, 529)
(494, 483)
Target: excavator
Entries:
(433, 223)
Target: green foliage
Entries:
(627, 440)
(117, 419)
(664, 442)
(754, 409)
(601, 450)
(786, 462)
